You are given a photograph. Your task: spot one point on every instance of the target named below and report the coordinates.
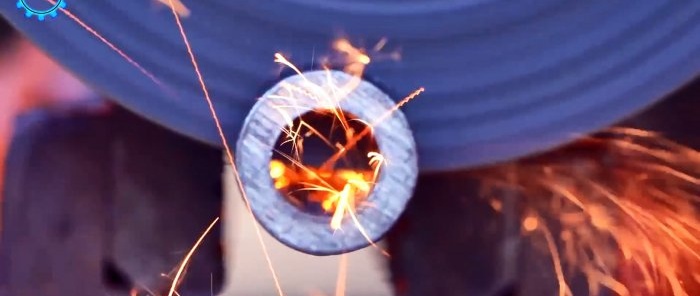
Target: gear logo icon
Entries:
(41, 13)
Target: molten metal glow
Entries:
(625, 205)
(336, 191)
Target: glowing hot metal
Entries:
(326, 234)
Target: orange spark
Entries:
(322, 187)
(185, 261)
(112, 46)
(356, 59)
(342, 206)
(530, 223)
(353, 141)
(224, 141)
(564, 289)
(178, 6)
(626, 203)
(341, 281)
(338, 192)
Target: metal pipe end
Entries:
(293, 226)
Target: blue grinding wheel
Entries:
(503, 78)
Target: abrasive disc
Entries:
(503, 78)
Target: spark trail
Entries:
(625, 205)
(224, 141)
(185, 261)
(356, 61)
(112, 47)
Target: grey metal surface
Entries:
(312, 233)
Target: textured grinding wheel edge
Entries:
(310, 233)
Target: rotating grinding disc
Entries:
(502, 78)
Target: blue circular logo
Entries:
(40, 13)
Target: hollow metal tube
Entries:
(292, 226)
